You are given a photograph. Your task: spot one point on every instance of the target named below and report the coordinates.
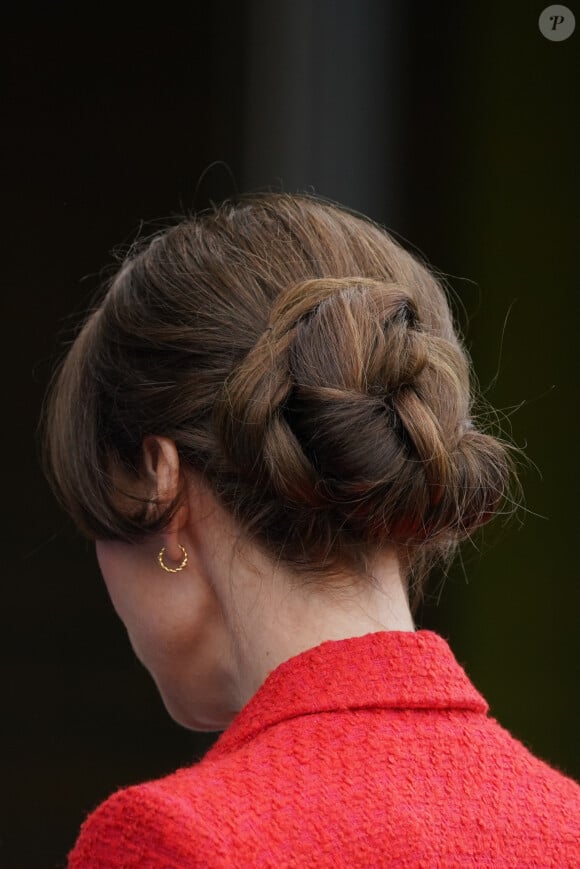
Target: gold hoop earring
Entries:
(172, 569)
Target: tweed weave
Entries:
(373, 751)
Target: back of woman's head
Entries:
(306, 367)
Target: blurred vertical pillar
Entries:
(321, 110)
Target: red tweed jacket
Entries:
(371, 751)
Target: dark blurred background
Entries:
(455, 125)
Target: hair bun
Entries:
(347, 400)
(324, 340)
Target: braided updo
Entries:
(306, 366)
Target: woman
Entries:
(266, 426)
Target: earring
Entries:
(172, 569)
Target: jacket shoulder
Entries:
(142, 826)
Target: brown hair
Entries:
(304, 364)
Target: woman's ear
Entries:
(163, 470)
(161, 463)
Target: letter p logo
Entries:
(557, 23)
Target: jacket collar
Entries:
(382, 670)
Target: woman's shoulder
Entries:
(159, 822)
(497, 795)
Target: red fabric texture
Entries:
(372, 751)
